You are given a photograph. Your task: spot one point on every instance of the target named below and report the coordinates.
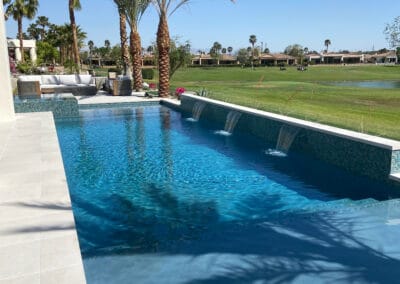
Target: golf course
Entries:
(312, 95)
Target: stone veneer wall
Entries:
(62, 105)
(368, 159)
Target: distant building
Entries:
(335, 58)
(225, 59)
(207, 59)
(14, 49)
(389, 57)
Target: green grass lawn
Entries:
(306, 95)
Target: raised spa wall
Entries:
(367, 155)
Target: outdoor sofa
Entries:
(35, 85)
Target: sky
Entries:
(349, 24)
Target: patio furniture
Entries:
(120, 86)
(78, 85)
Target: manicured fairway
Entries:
(306, 95)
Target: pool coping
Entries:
(38, 237)
(385, 143)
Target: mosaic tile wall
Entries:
(396, 162)
(61, 106)
(356, 157)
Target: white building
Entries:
(14, 48)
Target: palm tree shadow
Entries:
(320, 246)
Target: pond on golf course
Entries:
(369, 84)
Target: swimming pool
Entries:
(160, 199)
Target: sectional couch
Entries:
(35, 85)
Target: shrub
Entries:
(148, 74)
(25, 67)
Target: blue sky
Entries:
(351, 24)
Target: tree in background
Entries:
(43, 24)
(215, 51)
(223, 50)
(72, 6)
(165, 8)
(123, 35)
(252, 40)
(327, 43)
(392, 33)
(266, 50)
(295, 50)
(243, 56)
(20, 9)
(46, 52)
(134, 10)
(61, 37)
(179, 56)
(230, 49)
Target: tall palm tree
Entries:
(72, 6)
(327, 43)
(107, 44)
(123, 38)
(252, 40)
(42, 22)
(91, 46)
(164, 9)
(33, 31)
(134, 10)
(19, 9)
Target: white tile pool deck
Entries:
(38, 240)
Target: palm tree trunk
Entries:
(74, 36)
(21, 39)
(136, 55)
(163, 45)
(124, 44)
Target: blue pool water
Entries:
(160, 199)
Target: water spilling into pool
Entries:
(157, 198)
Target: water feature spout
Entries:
(287, 134)
(231, 120)
(197, 110)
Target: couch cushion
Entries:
(25, 78)
(85, 79)
(69, 80)
(50, 79)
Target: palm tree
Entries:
(164, 9)
(134, 10)
(223, 50)
(33, 31)
(230, 49)
(19, 9)
(42, 22)
(91, 46)
(252, 40)
(327, 43)
(124, 38)
(72, 6)
(107, 44)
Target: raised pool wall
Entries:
(61, 105)
(359, 153)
